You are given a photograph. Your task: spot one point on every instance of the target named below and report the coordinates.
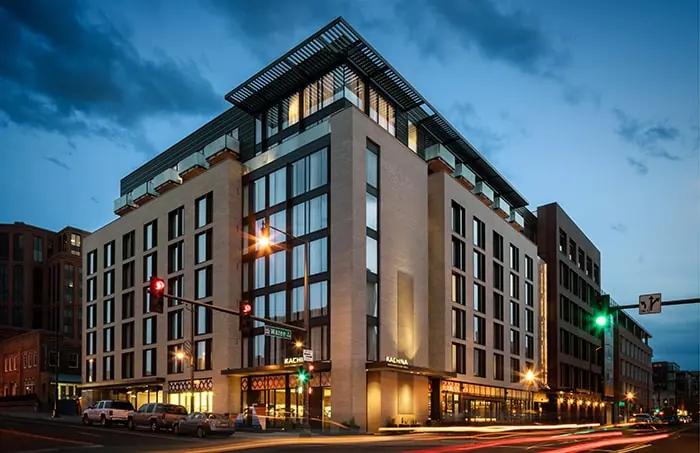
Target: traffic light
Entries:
(244, 317)
(157, 290)
(602, 309)
(304, 373)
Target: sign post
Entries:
(650, 304)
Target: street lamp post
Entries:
(594, 356)
(628, 399)
(530, 379)
(264, 241)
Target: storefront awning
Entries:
(125, 384)
(273, 369)
(410, 369)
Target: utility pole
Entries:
(55, 413)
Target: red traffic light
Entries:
(310, 367)
(157, 285)
(246, 309)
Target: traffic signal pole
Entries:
(663, 303)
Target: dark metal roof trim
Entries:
(338, 43)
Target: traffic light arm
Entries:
(663, 303)
(235, 313)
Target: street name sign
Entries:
(278, 332)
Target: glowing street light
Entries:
(180, 355)
(299, 344)
(529, 376)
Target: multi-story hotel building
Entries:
(424, 287)
(575, 359)
(633, 371)
(40, 310)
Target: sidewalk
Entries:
(43, 416)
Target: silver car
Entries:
(106, 412)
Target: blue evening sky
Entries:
(592, 104)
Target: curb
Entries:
(46, 419)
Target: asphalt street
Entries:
(48, 436)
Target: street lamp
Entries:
(530, 380)
(629, 397)
(263, 240)
(183, 353)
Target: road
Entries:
(46, 436)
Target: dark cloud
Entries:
(58, 162)
(619, 227)
(278, 20)
(62, 72)
(638, 166)
(652, 139)
(485, 139)
(513, 37)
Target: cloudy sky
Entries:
(593, 104)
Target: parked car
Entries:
(156, 416)
(203, 424)
(107, 412)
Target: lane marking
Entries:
(89, 434)
(40, 436)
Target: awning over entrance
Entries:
(291, 367)
(402, 367)
(131, 383)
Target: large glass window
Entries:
(310, 172)
(203, 355)
(372, 255)
(38, 249)
(498, 335)
(203, 321)
(278, 186)
(18, 247)
(372, 307)
(150, 266)
(479, 298)
(459, 323)
(322, 93)
(459, 288)
(203, 248)
(259, 273)
(128, 246)
(176, 325)
(204, 210)
(259, 194)
(479, 363)
(150, 333)
(108, 339)
(371, 211)
(150, 235)
(371, 168)
(480, 330)
(458, 219)
(290, 111)
(310, 216)
(459, 359)
(318, 258)
(382, 111)
(203, 282)
(176, 257)
(278, 267)
(176, 223)
(277, 306)
(149, 362)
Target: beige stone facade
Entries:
(224, 182)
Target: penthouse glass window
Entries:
(310, 172)
(382, 111)
(412, 136)
(290, 111)
(322, 93)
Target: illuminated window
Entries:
(412, 137)
(290, 111)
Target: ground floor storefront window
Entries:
(137, 396)
(279, 400)
(473, 403)
(199, 400)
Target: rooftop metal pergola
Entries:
(338, 43)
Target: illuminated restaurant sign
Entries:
(396, 362)
(292, 361)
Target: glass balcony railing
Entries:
(484, 190)
(465, 173)
(220, 144)
(123, 202)
(516, 218)
(169, 176)
(145, 189)
(196, 160)
(441, 153)
(501, 204)
(290, 144)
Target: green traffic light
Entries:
(601, 320)
(302, 376)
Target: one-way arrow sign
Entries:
(650, 304)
